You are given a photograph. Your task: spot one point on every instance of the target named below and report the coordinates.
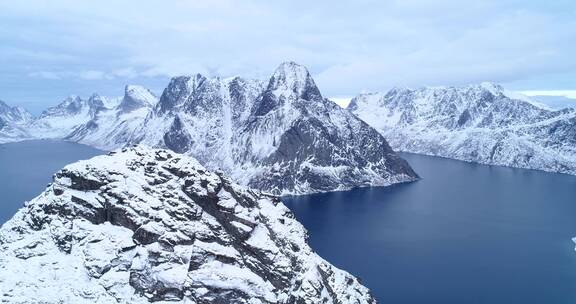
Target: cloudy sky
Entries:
(51, 49)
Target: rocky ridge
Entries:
(142, 225)
(478, 123)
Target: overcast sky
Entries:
(51, 49)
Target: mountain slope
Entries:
(478, 123)
(282, 137)
(112, 128)
(13, 121)
(59, 121)
(142, 225)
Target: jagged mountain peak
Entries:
(70, 104)
(178, 91)
(95, 96)
(95, 102)
(136, 97)
(398, 90)
(13, 114)
(290, 84)
(293, 79)
(141, 225)
(290, 81)
(138, 92)
(493, 87)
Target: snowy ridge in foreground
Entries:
(477, 123)
(142, 225)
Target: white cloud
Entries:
(45, 75)
(93, 75)
(124, 73)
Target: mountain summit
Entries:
(13, 123)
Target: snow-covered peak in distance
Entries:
(98, 121)
(292, 78)
(70, 104)
(61, 120)
(136, 97)
(494, 88)
(290, 83)
(482, 123)
(114, 127)
(140, 225)
(177, 91)
(14, 114)
(13, 122)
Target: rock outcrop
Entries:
(142, 225)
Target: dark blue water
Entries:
(27, 167)
(465, 233)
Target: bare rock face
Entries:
(142, 225)
(478, 123)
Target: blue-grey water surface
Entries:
(27, 167)
(465, 233)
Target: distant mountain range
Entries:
(281, 136)
(477, 123)
(284, 137)
(14, 123)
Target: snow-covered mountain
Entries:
(61, 120)
(14, 115)
(110, 128)
(13, 123)
(478, 123)
(280, 136)
(142, 225)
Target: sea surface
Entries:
(464, 233)
(27, 167)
